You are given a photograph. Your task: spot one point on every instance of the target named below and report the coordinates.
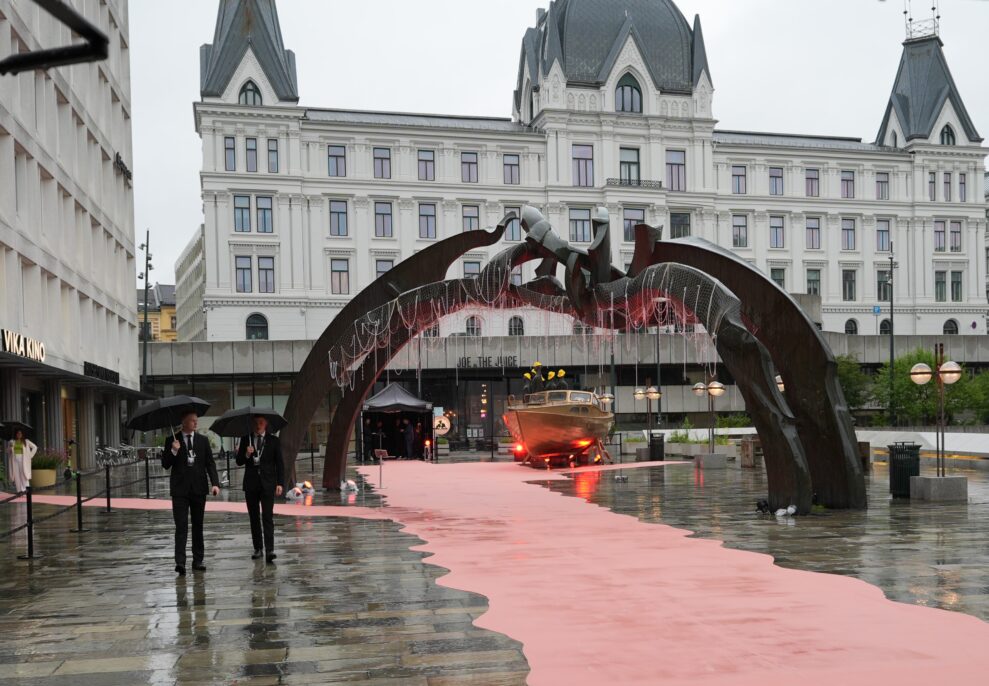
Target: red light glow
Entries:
(519, 448)
(583, 443)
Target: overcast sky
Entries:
(797, 66)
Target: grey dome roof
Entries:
(586, 36)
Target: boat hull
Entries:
(557, 430)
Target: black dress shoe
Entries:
(180, 569)
(257, 554)
(270, 559)
(199, 566)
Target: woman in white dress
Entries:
(20, 452)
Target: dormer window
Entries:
(250, 94)
(628, 95)
(896, 140)
(947, 135)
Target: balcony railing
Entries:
(635, 183)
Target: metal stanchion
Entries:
(78, 528)
(108, 510)
(30, 527)
(226, 454)
(147, 476)
(312, 457)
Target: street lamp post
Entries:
(712, 389)
(944, 373)
(648, 394)
(889, 281)
(145, 329)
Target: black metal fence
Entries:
(117, 475)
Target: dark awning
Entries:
(396, 399)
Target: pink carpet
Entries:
(600, 598)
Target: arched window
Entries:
(895, 140)
(851, 327)
(257, 328)
(884, 327)
(473, 327)
(947, 135)
(628, 95)
(951, 328)
(516, 327)
(250, 94)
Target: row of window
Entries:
(257, 327)
(946, 233)
(849, 278)
(885, 326)
(583, 170)
(676, 176)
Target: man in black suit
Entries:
(190, 460)
(260, 454)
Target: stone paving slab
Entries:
(347, 601)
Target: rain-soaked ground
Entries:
(349, 602)
(926, 554)
(346, 601)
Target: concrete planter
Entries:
(41, 478)
(630, 448)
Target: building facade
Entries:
(613, 107)
(68, 362)
(162, 323)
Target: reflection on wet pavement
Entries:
(926, 554)
(348, 601)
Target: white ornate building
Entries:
(613, 107)
(68, 356)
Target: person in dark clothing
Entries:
(190, 461)
(367, 440)
(260, 454)
(409, 436)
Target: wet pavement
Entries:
(347, 601)
(933, 555)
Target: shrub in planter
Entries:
(48, 459)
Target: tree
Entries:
(919, 404)
(854, 382)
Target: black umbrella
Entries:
(240, 422)
(166, 413)
(9, 427)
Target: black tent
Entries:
(396, 399)
(383, 420)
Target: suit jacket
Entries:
(271, 471)
(185, 480)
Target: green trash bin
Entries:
(904, 462)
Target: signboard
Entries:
(22, 346)
(876, 309)
(101, 373)
(483, 361)
(441, 425)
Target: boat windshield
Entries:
(535, 399)
(557, 396)
(580, 397)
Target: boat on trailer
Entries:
(559, 427)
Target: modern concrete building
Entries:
(614, 107)
(69, 357)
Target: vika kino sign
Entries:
(16, 344)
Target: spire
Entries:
(923, 86)
(699, 57)
(243, 24)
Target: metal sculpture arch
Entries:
(807, 436)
